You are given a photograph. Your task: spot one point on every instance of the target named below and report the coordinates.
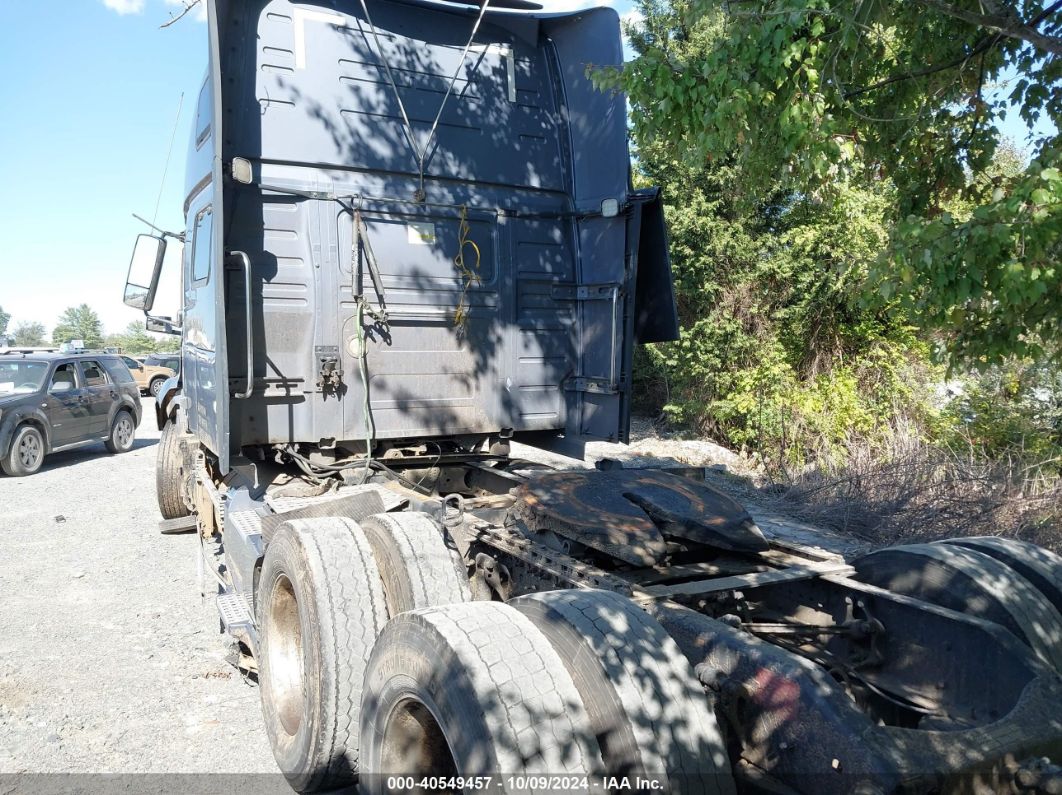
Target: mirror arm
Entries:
(161, 325)
(163, 232)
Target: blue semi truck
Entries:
(412, 240)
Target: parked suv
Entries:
(148, 377)
(51, 402)
(170, 360)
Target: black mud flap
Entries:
(655, 312)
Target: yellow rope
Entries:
(467, 275)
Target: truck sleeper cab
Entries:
(411, 239)
(491, 292)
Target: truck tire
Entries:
(1041, 567)
(170, 475)
(26, 453)
(645, 705)
(320, 606)
(470, 690)
(418, 561)
(123, 432)
(155, 386)
(971, 583)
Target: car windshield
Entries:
(22, 377)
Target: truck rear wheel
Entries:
(170, 475)
(1041, 567)
(645, 705)
(470, 690)
(320, 606)
(418, 561)
(972, 583)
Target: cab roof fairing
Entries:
(545, 10)
(589, 35)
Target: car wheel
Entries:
(156, 386)
(419, 565)
(26, 454)
(123, 431)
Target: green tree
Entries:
(31, 334)
(5, 318)
(819, 93)
(168, 343)
(1012, 410)
(135, 339)
(777, 354)
(79, 323)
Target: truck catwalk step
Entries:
(182, 524)
(234, 612)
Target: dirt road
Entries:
(109, 659)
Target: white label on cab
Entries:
(419, 233)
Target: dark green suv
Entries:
(51, 402)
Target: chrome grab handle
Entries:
(246, 262)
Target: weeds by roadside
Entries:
(907, 489)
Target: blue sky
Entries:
(88, 103)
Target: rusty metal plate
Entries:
(628, 513)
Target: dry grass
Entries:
(913, 491)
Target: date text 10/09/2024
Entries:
(523, 783)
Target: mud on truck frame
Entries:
(412, 240)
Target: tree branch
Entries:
(978, 49)
(188, 6)
(1008, 24)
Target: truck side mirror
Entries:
(163, 325)
(144, 270)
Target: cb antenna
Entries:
(166, 168)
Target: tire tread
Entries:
(428, 568)
(663, 705)
(168, 474)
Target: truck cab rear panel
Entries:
(469, 277)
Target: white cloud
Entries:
(125, 6)
(199, 12)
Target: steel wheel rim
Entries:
(414, 743)
(29, 450)
(284, 655)
(124, 431)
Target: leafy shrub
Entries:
(777, 356)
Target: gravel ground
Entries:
(110, 662)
